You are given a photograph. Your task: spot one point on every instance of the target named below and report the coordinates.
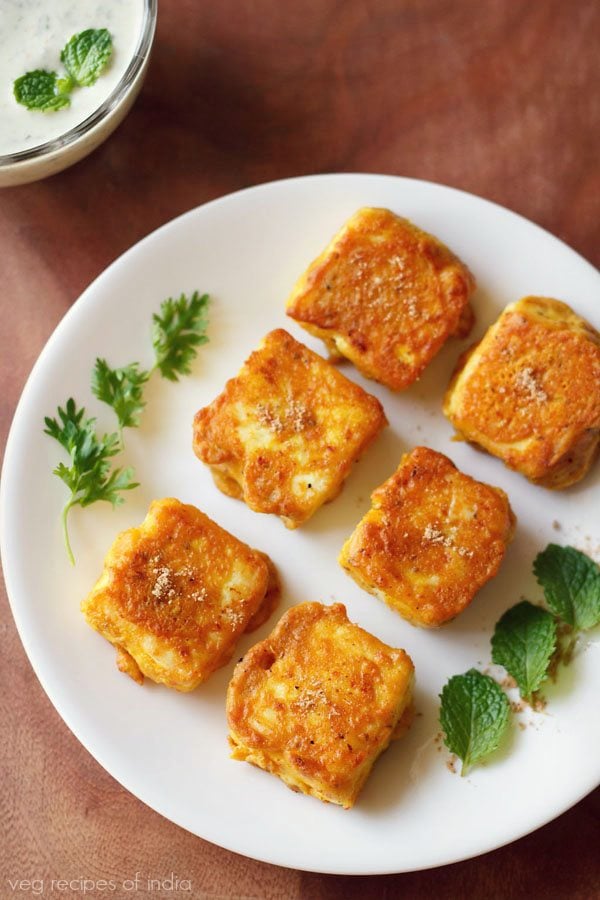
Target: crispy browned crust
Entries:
(128, 666)
(318, 701)
(270, 600)
(432, 538)
(386, 295)
(285, 432)
(529, 392)
(176, 594)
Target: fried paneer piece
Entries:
(318, 701)
(529, 392)
(286, 430)
(177, 593)
(432, 538)
(386, 295)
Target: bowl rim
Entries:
(102, 112)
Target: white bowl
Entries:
(52, 156)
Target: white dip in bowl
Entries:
(34, 144)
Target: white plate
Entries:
(170, 749)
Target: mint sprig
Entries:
(529, 642)
(41, 90)
(84, 57)
(571, 584)
(523, 642)
(474, 715)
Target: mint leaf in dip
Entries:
(86, 55)
(39, 90)
(523, 642)
(474, 714)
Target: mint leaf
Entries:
(571, 583)
(474, 714)
(65, 84)
(122, 389)
(40, 90)
(523, 642)
(176, 333)
(86, 54)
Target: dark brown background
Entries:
(500, 98)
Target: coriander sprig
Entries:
(84, 57)
(177, 332)
(122, 389)
(89, 477)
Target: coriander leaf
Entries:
(523, 642)
(474, 715)
(40, 90)
(571, 583)
(86, 54)
(122, 389)
(89, 477)
(176, 333)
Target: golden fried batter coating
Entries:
(285, 432)
(386, 295)
(529, 392)
(177, 593)
(318, 701)
(432, 538)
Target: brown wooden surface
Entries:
(499, 97)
